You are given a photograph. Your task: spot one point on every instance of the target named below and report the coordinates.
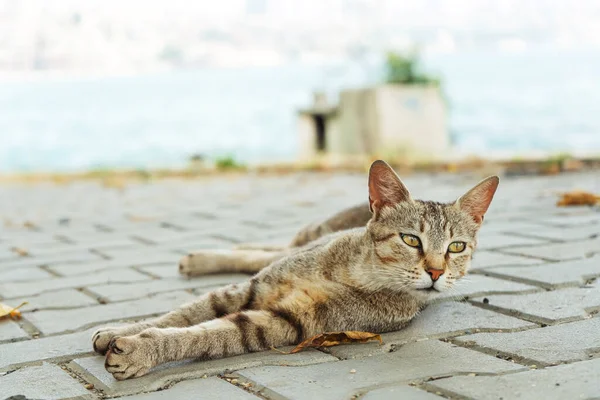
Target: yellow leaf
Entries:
(12, 312)
(578, 198)
(329, 339)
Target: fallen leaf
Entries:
(329, 339)
(20, 251)
(578, 198)
(12, 312)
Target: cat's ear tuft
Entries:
(385, 187)
(477, 200)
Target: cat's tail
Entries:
(258, 246)
(222, 261)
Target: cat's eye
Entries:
(457, 247)
(410, 240)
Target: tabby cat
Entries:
(374, 278)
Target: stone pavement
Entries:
(523, 325)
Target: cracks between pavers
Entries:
(529, 317)
(89, 386)
(252, 387)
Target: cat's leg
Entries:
(215, 304)
(220, 261)
(238, 333)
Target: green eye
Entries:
(411, 240)
(457, 247)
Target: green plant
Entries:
(228, 162)
(403, 69)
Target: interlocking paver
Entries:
(559, 251)
(10, 330)
(568, 234)
(573, 381)
(139, 257)
(475, 285)
(209, 388)
(550, 307)
(127, 291)
(92, 369)
(551, 275)
(415, 361)
(30, 288)
(25, 274)
(399, 392)
(556, 344)
(54, 321)
(78, 256)
(486, 259)
(47, 382)
(495, 240)
(536, 265)
(55, 348)
(67, 298)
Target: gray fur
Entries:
(361, 279)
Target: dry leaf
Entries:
(578, 198)
(20, 251)
(12, 312)
(329, 339)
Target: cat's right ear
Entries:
(385, 187)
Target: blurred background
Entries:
(153, 83)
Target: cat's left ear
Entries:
(477, 200)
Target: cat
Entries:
(372, 278)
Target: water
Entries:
(499, 102)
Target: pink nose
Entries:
(435, 273)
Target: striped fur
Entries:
(364, 278)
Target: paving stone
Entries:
(550, 307)
(126, 291)
(485, 259)
(50, 322)
(209, 388)
(555, 344)
(67, 298)
(414, 361)
(438, 320)
(399, 392)
(500, 240)
(92, 369)
(475, 285)
(149, 256)
(565, 234)
(24, 262)
(54, 348)
(25, 274)
(10, 330)
(585, 217)
(559, 251)
(164, 270)
(572, 381)
(28, 288)
(551, 275)
(47, 382)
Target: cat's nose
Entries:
(434, 273)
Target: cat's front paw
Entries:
(132, 356)
(102, 338)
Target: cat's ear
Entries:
(477, 200)
(385, 187)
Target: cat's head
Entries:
(422, 246)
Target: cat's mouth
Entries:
(430, 289)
